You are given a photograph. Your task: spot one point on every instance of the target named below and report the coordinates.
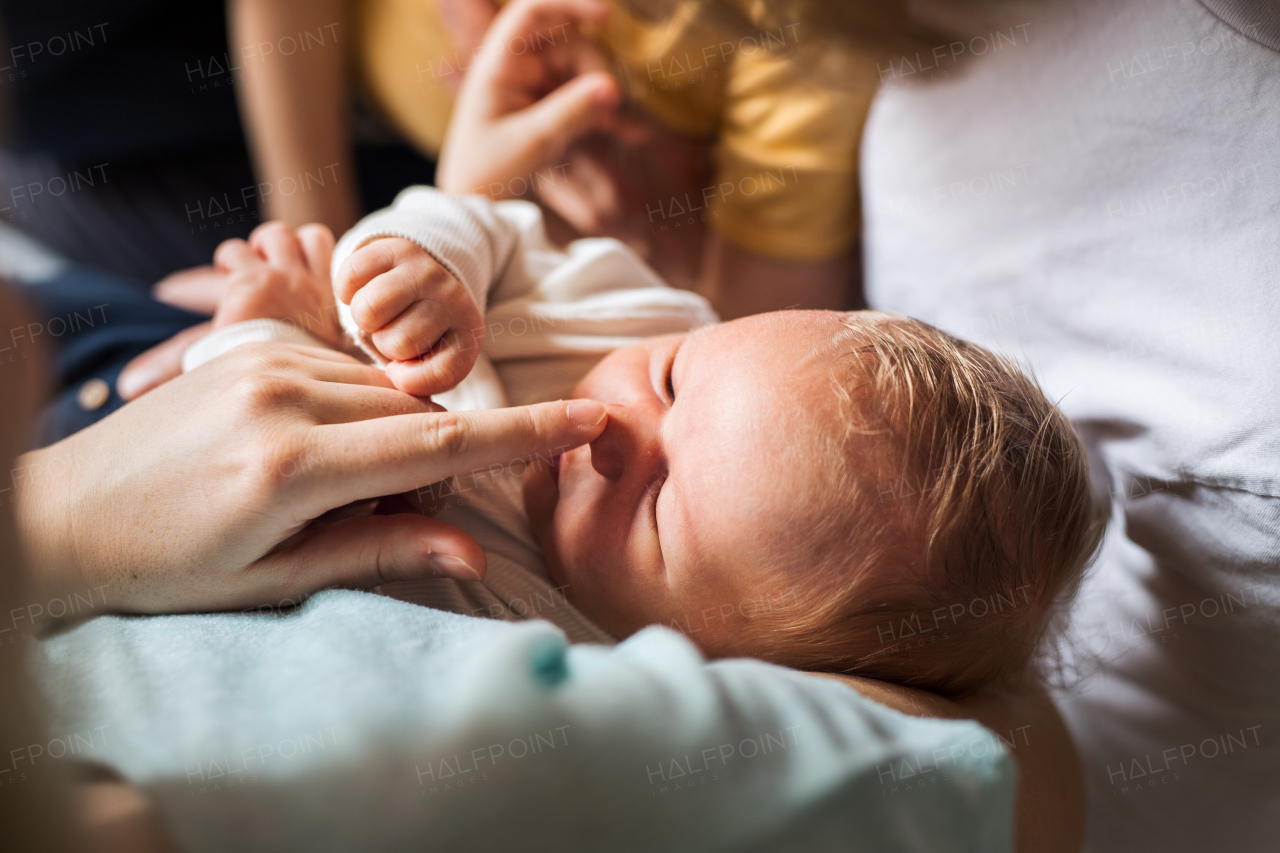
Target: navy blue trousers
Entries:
(95, 323)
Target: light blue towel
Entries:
(358, 722)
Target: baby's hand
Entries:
(418, 317)
(279, 274)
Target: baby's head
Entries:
(825, 491)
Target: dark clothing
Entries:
(96, 323)
(117, 80)
(119, 132)
(125, 150)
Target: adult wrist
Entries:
(44, 482)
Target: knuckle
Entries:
(404, 345)
(533, 427)
(364, 263)
(264, 389)
(276, 463)
(427, 309)
(381, 254)
(264, 357)
(405, 249)
(232, 245)
(315, 231)
(447, 435)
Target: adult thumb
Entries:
(369, 550)
(552, 124)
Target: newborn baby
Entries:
(830, 491)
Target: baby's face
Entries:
(702, 481)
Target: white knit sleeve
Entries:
(228, 338)
(464, 235)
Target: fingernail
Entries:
(448, 566)
(586, 413)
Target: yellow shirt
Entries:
(784, 108)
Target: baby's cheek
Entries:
(598, 577)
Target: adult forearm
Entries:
(739, 282)
(294, 99)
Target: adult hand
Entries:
(203, 493)
(537, 84)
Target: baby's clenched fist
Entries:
(416, 316)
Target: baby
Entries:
(843, 492)
(840, 492)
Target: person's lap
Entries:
(96, 323)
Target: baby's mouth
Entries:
(555, 468)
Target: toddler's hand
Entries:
(418, 317)
(280, 274)
(537, 84)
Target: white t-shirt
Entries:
(1094, 187)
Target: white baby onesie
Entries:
(551, 314)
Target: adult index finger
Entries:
(384, 456)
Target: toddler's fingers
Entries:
(552, 124)
(317, 248)
(198, 289)
(437, 371)
(277, 244)
(234, 255)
